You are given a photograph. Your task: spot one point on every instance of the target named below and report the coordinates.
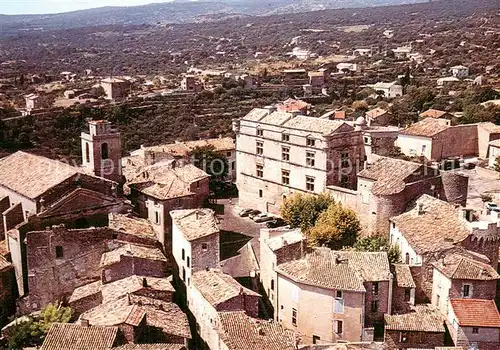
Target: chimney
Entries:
(84, 322)
(421, 209)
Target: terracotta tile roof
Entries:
(403, 277)
(437, 228)
(132, 225)
(168, 317)
(85, 291)
(376, 112)
(132, 250)
(459, 266)
(292, 105)
(163, 180)
(256, 114)
(112, 314)
(337, 269)
(433, 113)
(31, 175)
(489, 126)
(218, 287)
(389, 174)
(240, 332)
(184, 148)
(428, 127)
(422, 319)
(316, 125)
(276, 118)
(195, 223)
(4, 263)
(62, 336)
(115, 290)
(476, 313)
(151, 347)
(241, 265)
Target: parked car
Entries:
(246, 212)
(262, 218)
(492, 206)
(254, 213)
(278, 222)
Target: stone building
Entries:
(280, 153)
(462, 275)
(434, 229)
(475, 323)
(403, 290)
(211, 292)
(387, 186)
(157, 187)
(422, 327)
(378, 117)
(181, 151)
(115, 88)
(195, 241)
(436, 139)
(333, 296)
(191, 83)
(101, 151)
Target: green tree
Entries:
(208, 159)
(302, 210)
(33, 330)
(394, 254)
(336, 228)
(379, 244)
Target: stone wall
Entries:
(8, 293)
(13, 216)
(417, 340)
(249, 303)
(82, 305)
(129, 265)
(459, 140)
(377, 317)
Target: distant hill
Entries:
(179, 11)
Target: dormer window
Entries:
(260, 132)
(285, 137)
(310, 142)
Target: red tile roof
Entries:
(476, 313)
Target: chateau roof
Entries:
(421, 319)
(217, 287)
(31, 175)
(476, 312)
(195, 223)
(459, 266)
(436, 228)
(241, 332)
(76, 337)
(345, 270)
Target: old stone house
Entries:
(378, 117)
(115, 88)
(211, 292)
(195, 242)
(475, 323)
(403, 290)
(279, 153)
(334, 295)
(422, 327)
(434, 229)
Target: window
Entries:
(294, 317)
(475, 330)
(374, 305)
(310, 183)
(157, 218)
(375, 288)
(87, 152)
(423, 148)
(285, 154)
(233, 165)
(316, 338)
(338, 294)
(285, 137)
(339, 329)
(260, 132)
(260, 193)
(183, 254)
(204, 246)
(407, 294)
(184, 274)
(260, 170)
(403, 337)
(338, 306)
(272, 284)
(344, 160)
(310, 159)
(188, 262)
(407, 258)
(59, 252)
(344, 181)
(259, 147)
(367, 140)
(466, 291)
(104, 151)
(285, 177)
(310, 142)
(228, 154)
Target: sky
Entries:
(16, 7)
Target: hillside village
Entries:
(336, 189)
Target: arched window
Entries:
(87, 152)
(104, 151)
(407, 258)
